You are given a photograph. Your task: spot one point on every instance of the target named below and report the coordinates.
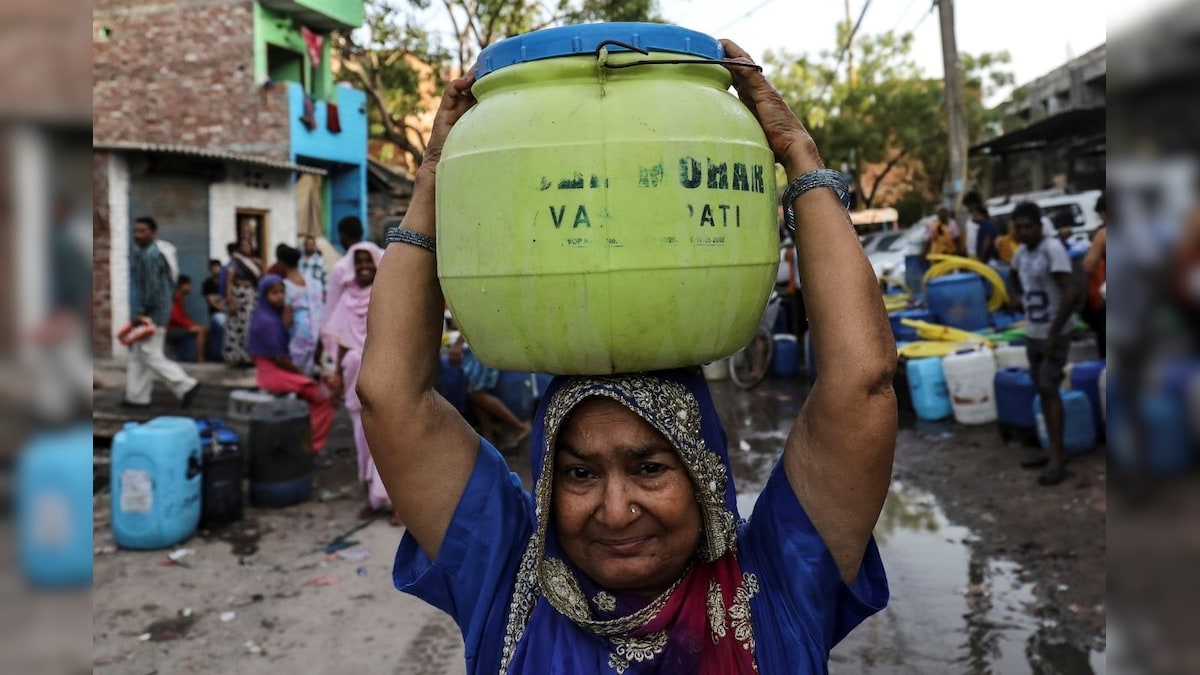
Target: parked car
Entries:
(887, 256)
(1076, 210)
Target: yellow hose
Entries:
(945, 264)
(896, 302)
(932, 349)
(939, 333)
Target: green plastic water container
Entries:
(602, 210)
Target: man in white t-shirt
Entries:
(1046, 288)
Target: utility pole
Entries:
(849, 45)
(956, 118)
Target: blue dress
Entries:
(803, 610)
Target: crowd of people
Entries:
(300, 323)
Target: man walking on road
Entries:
(153, 288)
(1043, 279)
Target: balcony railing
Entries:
(324, 15)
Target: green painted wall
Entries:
(281, 30)
(348, 12)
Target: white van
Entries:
(1062, 208)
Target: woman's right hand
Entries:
(455, 103)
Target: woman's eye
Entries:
(578, 473)
(653, 468)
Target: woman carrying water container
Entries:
(629, 555)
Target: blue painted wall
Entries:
(343, 154)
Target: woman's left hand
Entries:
(786, 136)
(455, 103)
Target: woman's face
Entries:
(624, 505)
(245, 248)
(364, 268)
(275, 295)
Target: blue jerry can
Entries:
(156, 470)
(54, 508)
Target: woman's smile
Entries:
(625, 546)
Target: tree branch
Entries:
(460, 37)
(883, 174)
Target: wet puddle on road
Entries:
(951, 610)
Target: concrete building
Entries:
(220, 119)
(1054, 131)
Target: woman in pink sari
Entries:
(346, 328)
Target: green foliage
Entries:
(883, 113)
(399, 60)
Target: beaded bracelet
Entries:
(813, 179)
(403, 236)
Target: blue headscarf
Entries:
(268, 336)
(670, 633)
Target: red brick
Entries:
(182, 72)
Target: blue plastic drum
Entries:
(1085, 377)
(54, 509)
(1079, 430)
(959, 300)
(785, 357)
(905, 333)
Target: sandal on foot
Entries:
(1035, 463)
(1052, 475)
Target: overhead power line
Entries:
(745, 16)
(904, 14)
(922, 19)
(850, 38)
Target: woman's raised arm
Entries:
(424, 450)
(838, 456)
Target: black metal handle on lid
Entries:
(601, 57)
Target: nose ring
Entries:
(633, 509)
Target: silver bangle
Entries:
(399, 235)
(829, 178)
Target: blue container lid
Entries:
(225, 435)
(585, 39)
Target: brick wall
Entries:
(102, 329)
(182, 72)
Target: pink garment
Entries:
(313, 42)
(346, 322)
(346, 327)
(276, 380)
(377, 495)
(342, 270)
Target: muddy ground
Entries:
(990, 573)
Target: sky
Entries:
(1040, 35)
